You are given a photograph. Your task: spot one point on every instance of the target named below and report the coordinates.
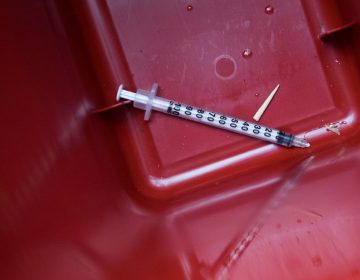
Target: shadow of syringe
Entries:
(232, 253)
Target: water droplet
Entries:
(269, 10)
(247, 53)
(343, 122)
(257, 94)
(189, 8)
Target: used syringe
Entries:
(147, 100)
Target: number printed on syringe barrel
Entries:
(229, 123)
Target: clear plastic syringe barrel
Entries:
(148, 101)
(225, 122)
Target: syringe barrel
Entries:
(147, 101)
(222, 121)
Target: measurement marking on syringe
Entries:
(177, 109)
(148, 101)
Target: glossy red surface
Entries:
(87, 195)
(204, 64)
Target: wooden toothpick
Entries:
(266, 103)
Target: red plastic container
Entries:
(104, 195)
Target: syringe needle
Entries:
(148, 101)
(301, 143)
